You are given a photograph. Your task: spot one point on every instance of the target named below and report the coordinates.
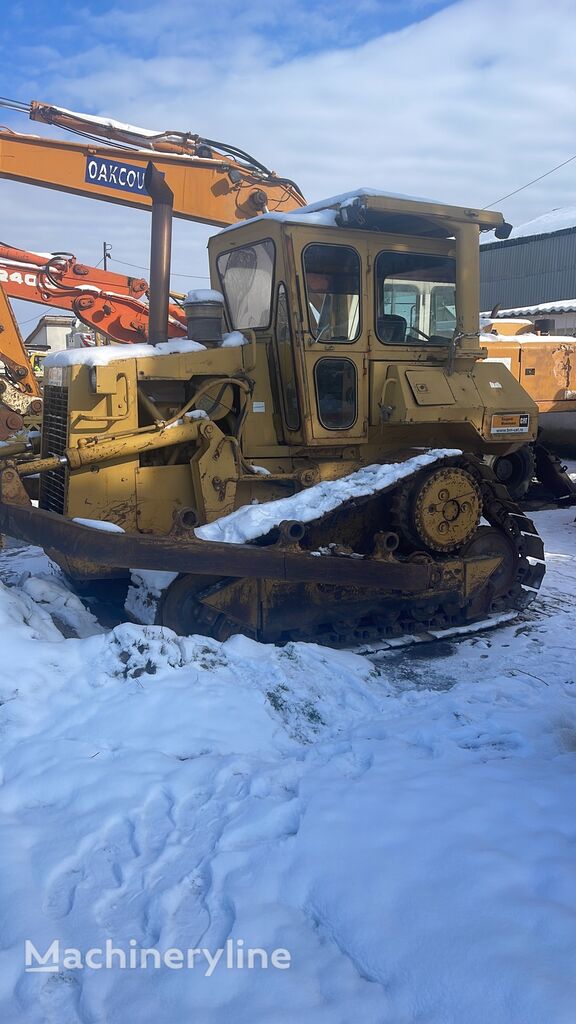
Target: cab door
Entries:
(335, 351)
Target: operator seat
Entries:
(392, 329)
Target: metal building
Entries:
(535, 265)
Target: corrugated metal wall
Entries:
(522, 271)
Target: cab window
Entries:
(442, 310)
(415, 298)
(246, 276)
(336, 386)
(402, 300)
(283, 335)
(332, 274)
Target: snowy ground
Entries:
(404, 826)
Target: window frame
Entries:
(311, 326)
(293, 429)
(433, 290)
(238, 248)
(332, 358)
(401, 252)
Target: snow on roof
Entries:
(324, 211)
(347, 198)
(558, 306)
(556, 220)
(486, 318)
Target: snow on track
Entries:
(405, 830)
(252, 521)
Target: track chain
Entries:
(406, 618)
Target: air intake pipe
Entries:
(160, 250)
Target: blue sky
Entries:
(292, 29)
(464, 101)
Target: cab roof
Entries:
(373, 210)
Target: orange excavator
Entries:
(19, 387)
(103, 300)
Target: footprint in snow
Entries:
(154, 824)
(490, 742)
(185, 911)
(60, 999)
(93, 872)
(62, 891)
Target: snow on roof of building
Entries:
(561, 219)
(558, 306)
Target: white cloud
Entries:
(465, 105)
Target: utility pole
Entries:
(106, 250)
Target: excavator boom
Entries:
(212, 183)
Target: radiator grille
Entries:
(53, 485)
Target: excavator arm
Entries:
(213, 183)
(103, 300)
(36, 277)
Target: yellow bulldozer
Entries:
(307, 464)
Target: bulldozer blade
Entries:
(86, 551)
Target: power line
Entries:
(533, 182)
(195, 277)
(22, 323)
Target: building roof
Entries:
(541, 309)
(45, 322)
(551, 223)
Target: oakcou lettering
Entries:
(114, 175)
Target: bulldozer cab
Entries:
(352, 297)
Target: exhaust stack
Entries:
(160, 250)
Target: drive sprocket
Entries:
(440, 508)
